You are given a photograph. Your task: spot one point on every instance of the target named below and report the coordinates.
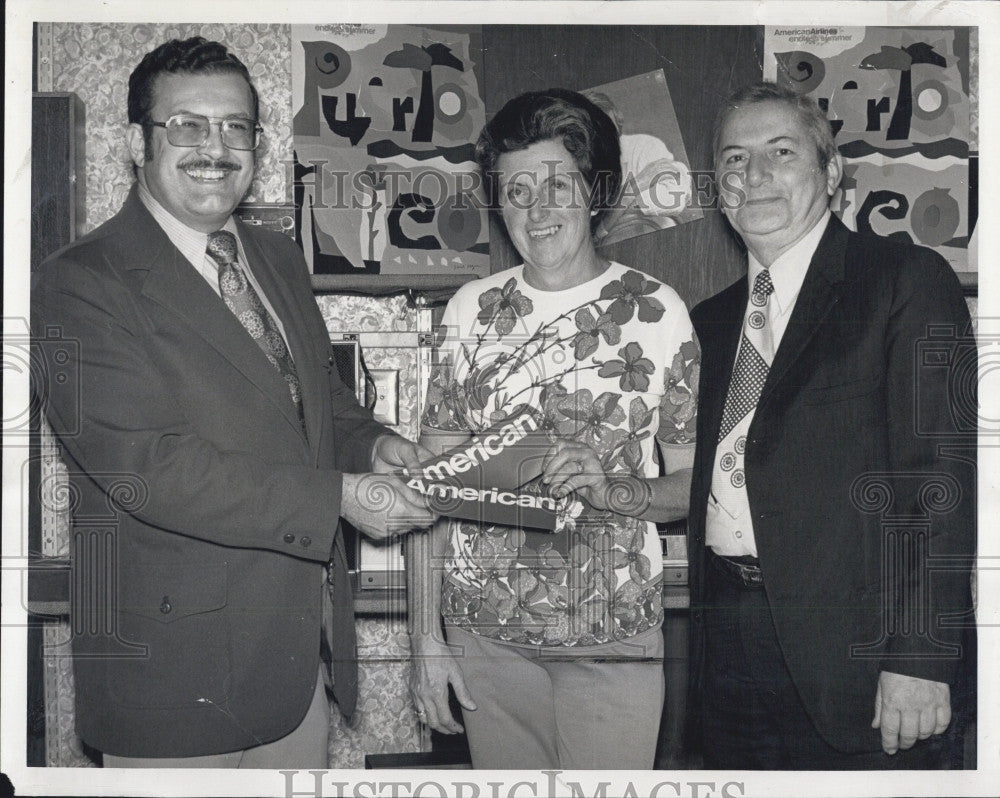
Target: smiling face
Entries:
(544, 206)
(199, 186)
(767, 153)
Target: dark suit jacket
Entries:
(202, 514)
(847, 482)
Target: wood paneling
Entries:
(57, 176)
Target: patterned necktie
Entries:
(754, 358)
(243, 301)
(749, 374)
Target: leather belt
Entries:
(742, 571)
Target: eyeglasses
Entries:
(190, 130)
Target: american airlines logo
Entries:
(481, 450)
(480, 480)
(503, 497)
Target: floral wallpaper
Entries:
(94, 60)
(386, 721)
(62, 747)
(347, 313)
(974, 89)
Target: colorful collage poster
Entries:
(898, 101)
(384, 120)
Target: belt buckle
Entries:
(750, 574)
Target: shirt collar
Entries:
(192, 243)
(788, 271)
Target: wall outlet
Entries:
(386, 407)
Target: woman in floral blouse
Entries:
(554, 646)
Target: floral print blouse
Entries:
(613, 362)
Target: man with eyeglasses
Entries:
(206, 388)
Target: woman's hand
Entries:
(573, 466)
(433, 667)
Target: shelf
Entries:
(380, 601)
(384, 284)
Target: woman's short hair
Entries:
(811, 115)
(587, 133)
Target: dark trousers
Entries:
(753, 718)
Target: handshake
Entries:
(379, 503)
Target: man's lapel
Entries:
(174, 284)
(279, 294)
(720, 339)
(821, 291)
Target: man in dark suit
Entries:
(824, 503)
(213, 431)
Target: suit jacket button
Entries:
(165, 606)
(289, 538)
(306, 541)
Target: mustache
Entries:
(207, 163)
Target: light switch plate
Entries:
(386, 395)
